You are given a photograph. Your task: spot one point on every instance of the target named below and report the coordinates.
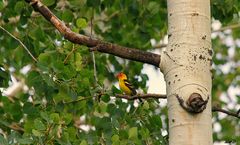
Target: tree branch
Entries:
(142, 96)
(78, 100)
(69, 54)
(228, 27)
(217, 109)
(160, 46)
(163, 96)
(16, 127)
(96, 44)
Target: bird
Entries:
(125, 85)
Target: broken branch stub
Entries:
(194, 104)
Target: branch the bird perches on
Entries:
(163, 96)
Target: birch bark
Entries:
(186, 65)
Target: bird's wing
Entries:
(130, 86)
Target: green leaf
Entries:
(145, 105)
(156, 121)
(68, 45)
(45, 116)
(145, 133)
(3, 141)
(67, 118)
(38, 124)
(1, 5)
(81, 23)
(115, 139)
(116, 90)
(72, 133)
(36, 133)
(105, 98)
(29, 109)
(14, 110)
(20, 5)
(48, 2)
(102, 123)
(78, 61)
(25, 140)
(153, 7)
(133, 133)
(44, 58)
(83, 142)
(67, 16)
(37, 34)
(55, 117)
(61, 96)
(93, 3)
(68, 72)
(103, 107)
(28, 126)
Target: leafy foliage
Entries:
(226, 70)
(63, 102)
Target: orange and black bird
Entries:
(125, 85)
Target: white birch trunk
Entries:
(186, 65)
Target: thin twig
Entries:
(16, 127)
(94, 67)
(234, 26)
(91, 24)
(93, 55)
(217, 109)
(69, 54)
(78, 100)
(47, 133)
(103, 19)
(160, 46)
(19, 42)
(112, 15)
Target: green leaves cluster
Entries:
(226, 71)
(63, 96)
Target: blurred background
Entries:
(55, 92)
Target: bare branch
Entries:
(47, 133)
(78, 100)
(217, 109)
(234, 26)
(195, 103)
(69, 54)
(143, 96)
(160, 46)
(94, 67)
(96, 44)
(19, 42)
(16, 127)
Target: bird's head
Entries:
(121, 75)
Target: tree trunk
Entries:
(186, 65)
